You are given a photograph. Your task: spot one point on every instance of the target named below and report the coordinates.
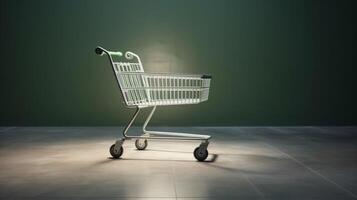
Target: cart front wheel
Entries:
(200, 153)
(116, 153)
(141, 144)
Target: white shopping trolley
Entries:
(143, 90)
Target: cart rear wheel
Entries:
(141, 144)
(116, 153)
(200, 153)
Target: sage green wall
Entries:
(273, 62)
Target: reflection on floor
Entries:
(244, 163)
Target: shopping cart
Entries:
(143, 90)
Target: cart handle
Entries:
(100, 51)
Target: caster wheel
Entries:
(115, 152)
(200, 154)
(141, 144)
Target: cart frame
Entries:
(136, 68)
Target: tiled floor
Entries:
(244, 163)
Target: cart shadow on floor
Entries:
(211, 162)
(211, 158)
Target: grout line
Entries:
(173, 178)
(252, 185)
(312, 170)
(255, 188)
